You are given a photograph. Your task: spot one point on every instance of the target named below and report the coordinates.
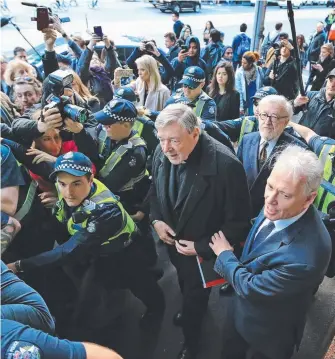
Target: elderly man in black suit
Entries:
(199, 187)
(284, 259)
(257, 150)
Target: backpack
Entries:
(244, 46)
(215, 55)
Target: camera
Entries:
(276, 46)
(148, 46)
(44, 16)
(58, 81)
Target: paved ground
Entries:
(164, 342)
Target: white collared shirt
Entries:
(281, 224)
(271, 145)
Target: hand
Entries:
(142, 46)
(241, 111)
(12, 267)
(50, 37)
(185, 247)
(220, 244)
(141, 111)
(48, 199)
(300, 101)
(138, 216)
(94, 40)
(117, 77)
(165, 233)
(272, 75)
(72, 126)
(52, 119)
(57, 25)
(182, 55)
(40, 156)
(318, 67)
(154, 49)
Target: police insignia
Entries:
(89, 205)
(91, 228)
(121, 92)
(68, 155)
(132, 162)
(211, 110)
(191, 70)
(112, 103)
(23, 350)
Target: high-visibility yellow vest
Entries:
(116, 156)
(101, 195)
(326, 191)
(247, 127)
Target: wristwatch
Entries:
(154, 221)
(17, 265)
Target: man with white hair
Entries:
(199, 187)
(284, 259)
(257, 149)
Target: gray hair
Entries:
(300, 162)
(179, 113)
(278, 100)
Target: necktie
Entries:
(263, 234)
(263, 155)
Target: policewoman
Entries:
(193, 81)
(102, 237)
(143, 125)
(122, 167)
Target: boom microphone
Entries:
(29, 4)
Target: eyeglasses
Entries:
(23, 79)
(188, 87)
(273, 118)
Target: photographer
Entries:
(282, 73)
(270, 55)
(94, 73)
(321, 69)
(190, 56)
(166, 71)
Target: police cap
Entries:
(74, 163)
(193, 77)
(118, 110)
(126, 93)
(265, 91)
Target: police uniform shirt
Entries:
(208, 111)
(130, 166)
(20, 341)
(317, 142)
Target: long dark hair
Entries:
(302, 38)
(210, 23)
(214, 88)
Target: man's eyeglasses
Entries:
(188, 87)
(273, 118)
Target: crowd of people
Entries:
(197, 146)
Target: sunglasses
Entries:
(188, 87)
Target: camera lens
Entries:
(76, 113)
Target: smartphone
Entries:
(184, 48)
(98, 31)
(42, 18)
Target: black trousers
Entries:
(105, 275)
(195, 297)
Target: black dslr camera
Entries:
(58, 81)
(276, 46)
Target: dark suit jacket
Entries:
(248, 152)
(216, 198)
(274, 283)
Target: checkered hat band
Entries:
(117, 117)
(74, 167)
(185, 77)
